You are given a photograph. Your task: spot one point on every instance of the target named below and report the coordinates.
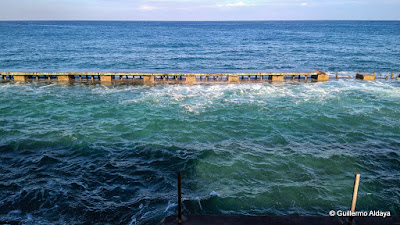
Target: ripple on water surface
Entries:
(109, 154)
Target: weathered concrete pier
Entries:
(169, 77)
(191, 77)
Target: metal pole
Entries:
(179, 199)
(355, 190)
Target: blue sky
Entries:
(193, 10)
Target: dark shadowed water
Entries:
(82, 153)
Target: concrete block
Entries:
(362, 76)
(106, 78)
(233, 79)
(276, 78)
(148, 79)
(65, 78)
(191, 79)
(21, 78)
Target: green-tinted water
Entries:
(109, 154)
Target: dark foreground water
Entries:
(80, 153)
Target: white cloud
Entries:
(238, 4)
(304, 4)
(148, 7)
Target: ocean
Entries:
(85, 153)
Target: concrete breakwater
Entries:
(169, 77)
(179, 77)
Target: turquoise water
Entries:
(109, 154)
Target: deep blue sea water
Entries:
(324, 45)
(94, 154)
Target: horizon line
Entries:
(372, 20)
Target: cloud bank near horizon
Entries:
(193, 10)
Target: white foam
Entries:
(198, 99)
(48, 86)
(144, 216)
(133, 220)
(199, 202)
(214, 193)
(170, 205)
(14, 212)
(29, 217)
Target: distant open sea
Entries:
(93, 154)
(324, 45)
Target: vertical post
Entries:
(392, 75)
(305, 78)
(179, 198)
(337, 76)
(355, 190)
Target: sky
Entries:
(199, 10)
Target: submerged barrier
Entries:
(368, 76)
